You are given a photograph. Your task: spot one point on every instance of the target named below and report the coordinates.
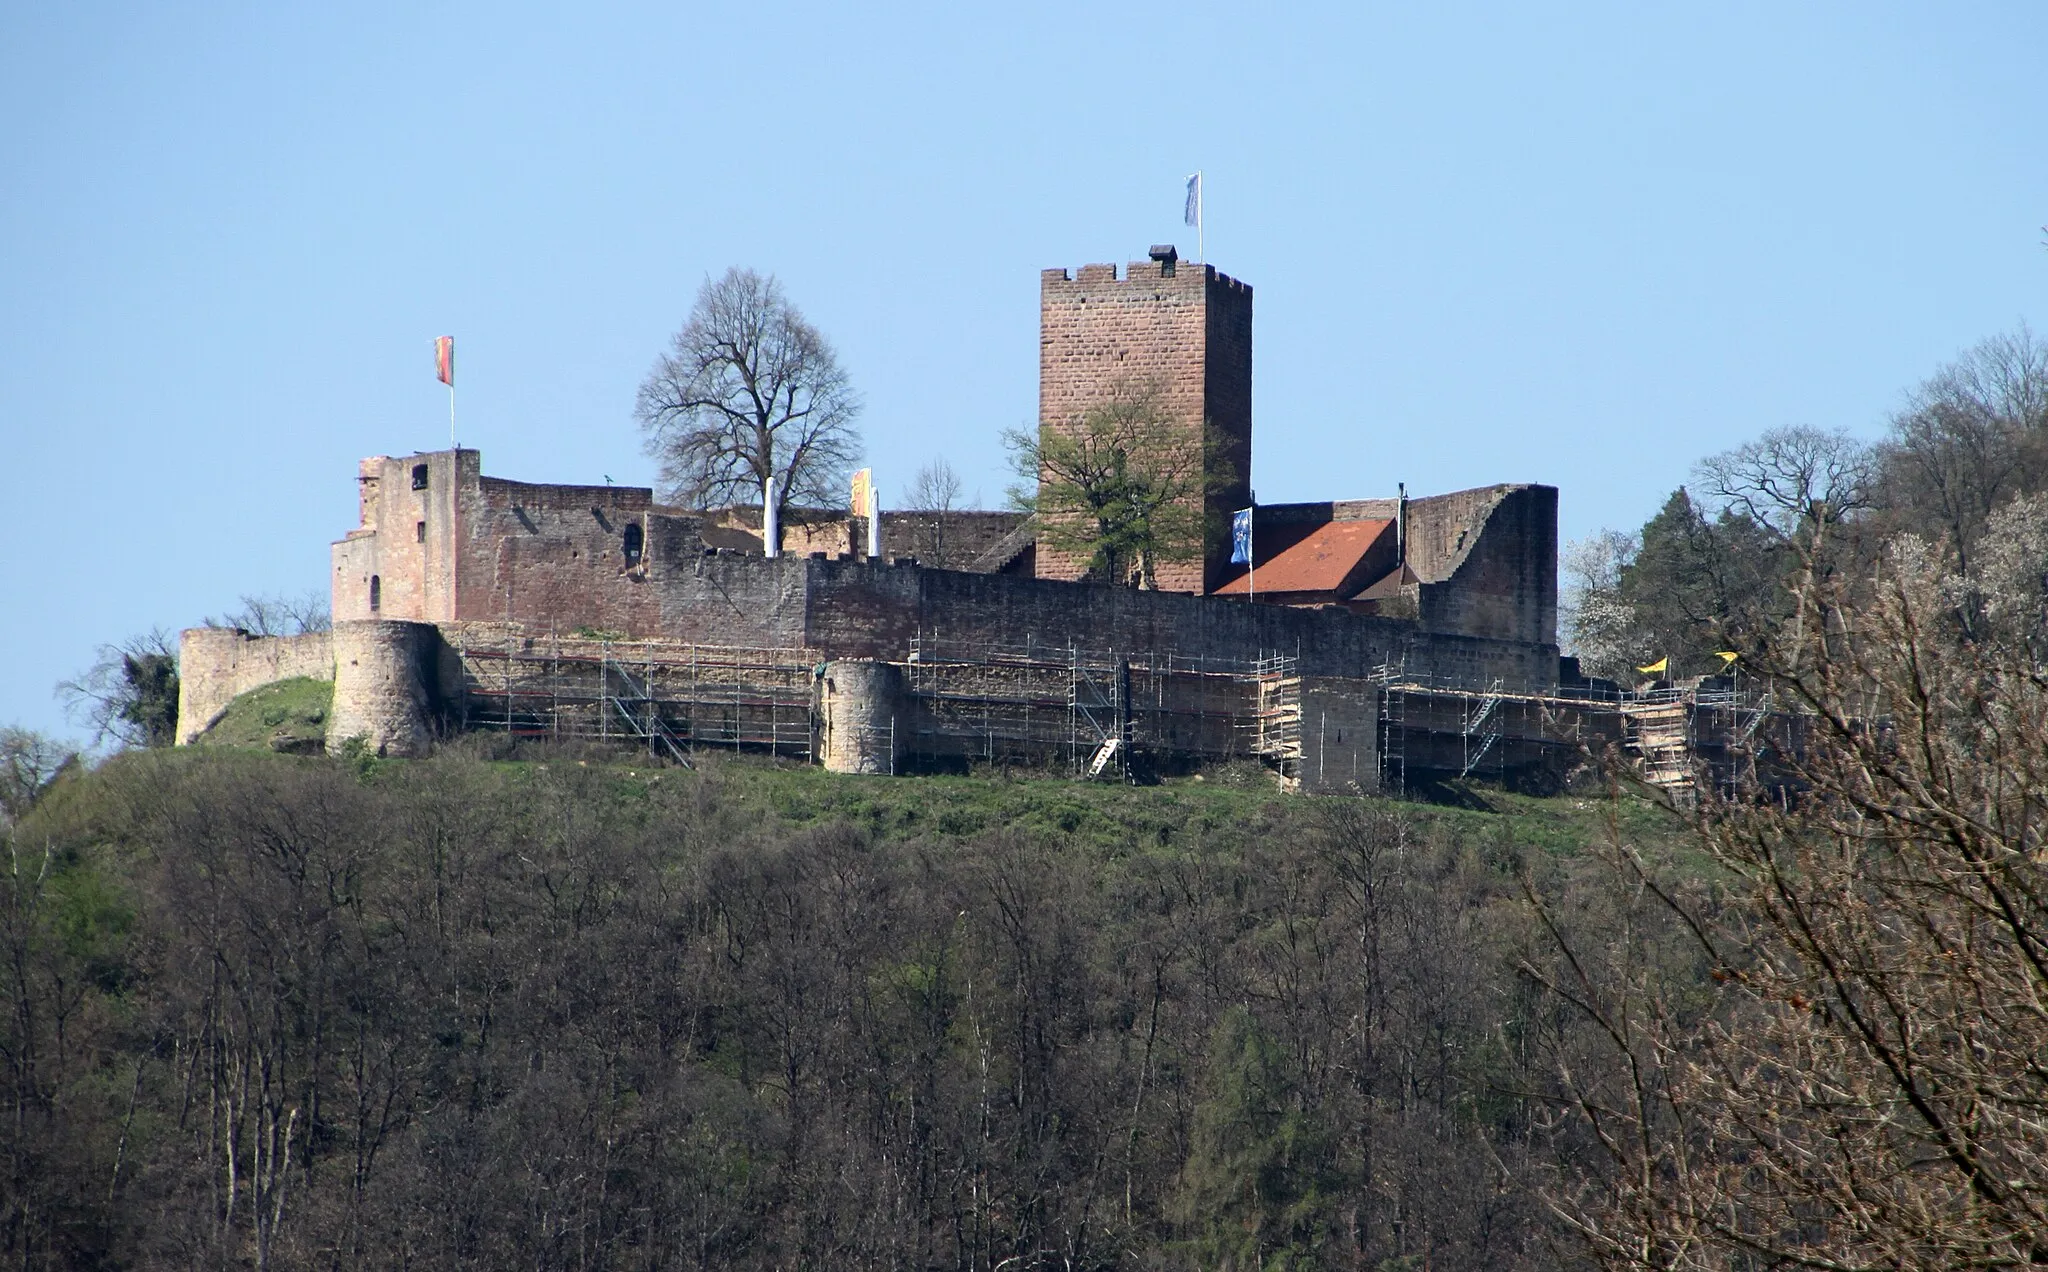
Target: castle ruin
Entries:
(467, 601)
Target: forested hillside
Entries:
(286, 1012)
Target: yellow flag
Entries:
(863, 491)
(1657, 668)
(1727, 657)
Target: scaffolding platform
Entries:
(675, 697)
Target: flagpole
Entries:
(444, 370)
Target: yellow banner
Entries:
(863, 492)
(1657, 668)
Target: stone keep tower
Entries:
(1184, 331)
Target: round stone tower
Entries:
(380, 685)
(863, 706)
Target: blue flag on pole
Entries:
(1241, 537)
(1192, 215)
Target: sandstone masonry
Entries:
(218, 664)
(1180, 331)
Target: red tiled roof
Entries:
(1319, 562)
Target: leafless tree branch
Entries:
(749, 390)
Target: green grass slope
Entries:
(290, 715)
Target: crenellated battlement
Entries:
(1184, 274)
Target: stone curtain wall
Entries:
(854, 609)
(860, 611)
(553, 560)
(556, 555)
(1188, 333)
(216, 665)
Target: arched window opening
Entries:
(634, 542)
(376, 593)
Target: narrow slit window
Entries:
(634, 541)
(419, 532)
(419, 476)
(376, 593)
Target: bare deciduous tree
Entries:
(29, 762)
(1791, 479)
(749, 390)
(1863, 1087)
(277, 615)
(933, 497)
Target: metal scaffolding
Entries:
(1086, 710)
(1093, 713)
(675, 697)
(1276, 716)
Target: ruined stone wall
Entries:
(1491, 559)
(216, 665)
(804, 530)
(944, 540)
(1183, 329)
(1487, 557)
(556, 558)
(440, 542)
(1227, 408)
(608, 559)
(566, 555)
(403, 555)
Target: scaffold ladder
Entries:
(641, 714)
(1393, 727)
(1095, 716)
(1482, 727)
(1756, 719)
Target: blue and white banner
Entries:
(1193, 214)
(1241, 537)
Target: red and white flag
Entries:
(444, 359)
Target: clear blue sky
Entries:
(1581, 246)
